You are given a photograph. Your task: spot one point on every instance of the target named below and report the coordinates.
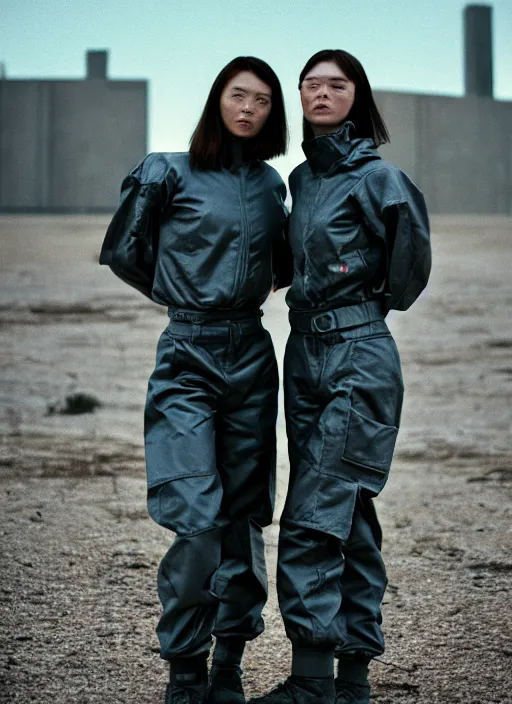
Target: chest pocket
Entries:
(329, 275)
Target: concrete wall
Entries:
(66, 145)
(458, 150)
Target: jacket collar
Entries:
(342, 148)
(236, 153)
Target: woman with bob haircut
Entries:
(359, 234)
(202, 233)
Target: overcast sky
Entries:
(181, 45)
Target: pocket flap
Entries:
(369, 443)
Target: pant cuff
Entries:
(229, 651)
(196, 666)
(312, 663)
(353, 669)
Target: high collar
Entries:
(342, 148)
(235, 152)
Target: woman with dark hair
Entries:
(360, 239)
(202, 233)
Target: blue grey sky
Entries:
(180, 46)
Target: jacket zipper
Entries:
(244, 239)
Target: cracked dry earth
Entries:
(79, 555)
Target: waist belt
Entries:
(336, 319)
(202, 317)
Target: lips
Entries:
(321, 107)
(244, 123)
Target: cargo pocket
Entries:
(322, 501)
(368, 451)
(187, 505)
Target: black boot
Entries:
(351, 692)
(225, 685)
(351, 683)
(300, 690)
(186, 689)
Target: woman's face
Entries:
(327, 96)
(245, 104)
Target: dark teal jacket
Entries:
(358, 229)
(200, 240)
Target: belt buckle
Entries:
(323, 322)
(179, 317)
(189, 318)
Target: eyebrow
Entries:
(330, 78)
(244, 90)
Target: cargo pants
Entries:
(210, 456)
(343, 397)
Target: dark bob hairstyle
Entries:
(210, 133)
(364, 113)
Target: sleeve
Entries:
(131, 242)
(394, 209)
(282, 260)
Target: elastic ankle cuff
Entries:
(228, 651)
(312, 663)
(195, 667)
(352, 669)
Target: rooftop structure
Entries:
(66, 144)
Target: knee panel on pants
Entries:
(187, 505)
(320, 501)
(346, 453)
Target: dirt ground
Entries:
(79, 556)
